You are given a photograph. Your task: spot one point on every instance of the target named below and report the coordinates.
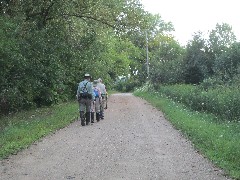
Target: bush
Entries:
(223, 102)
(127, 86)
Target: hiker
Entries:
(102, 88)
(85, 97)
(96, 103)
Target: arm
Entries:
(105, 90)
(100, 95)
(78, 92)
(90, 90)
(78, 89)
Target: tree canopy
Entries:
(47, 46)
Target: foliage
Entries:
(165, 60)
(228, 64)
(22, 129)
(47, 46)
(221, 101)
(195, 60)
(213, 57)
(13, 67)
(221, 38)
(127, 85)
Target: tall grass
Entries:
(217, 140)
(223, 102)
(20, 130)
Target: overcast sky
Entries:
(189, 16)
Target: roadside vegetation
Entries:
(22, 129)
(214, 136)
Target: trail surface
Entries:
(134, 141)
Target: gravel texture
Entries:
(134, 141)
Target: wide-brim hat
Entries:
(87, 75)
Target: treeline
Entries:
(207, 69)
(47, 46)
(213, 60)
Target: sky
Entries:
(190, 16)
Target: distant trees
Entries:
(214, 58)
(227, 65)
(166, 60)
(196, 60)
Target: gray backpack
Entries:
(84, 92)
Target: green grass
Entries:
(20, 130)
(217, 140)
(222, 101)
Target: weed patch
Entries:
(22, 129)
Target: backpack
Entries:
(84, 89)
(84, 92)
(96, 92)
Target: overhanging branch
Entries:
(90, 17)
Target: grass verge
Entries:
(21, 130)
(218, 140)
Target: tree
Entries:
(166, 60)
(228, 63)
(196, 60)
(220, 39)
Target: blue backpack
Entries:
(96, 92)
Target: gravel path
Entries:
(134, 141)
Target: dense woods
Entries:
(47, 46)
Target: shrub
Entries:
(223, 102)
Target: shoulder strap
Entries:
(85, 86)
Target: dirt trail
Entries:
(133, 142)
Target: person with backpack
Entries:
(103, 90)
(85, 97)
(96, 103)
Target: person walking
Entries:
(85, 97)
(96, 103)
(102, 88)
